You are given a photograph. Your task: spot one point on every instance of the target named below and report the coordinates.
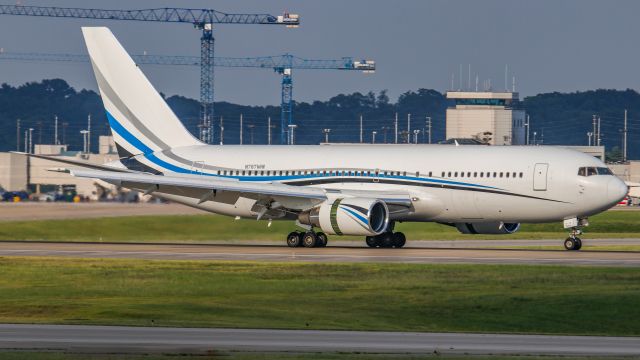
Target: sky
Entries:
(547, 45)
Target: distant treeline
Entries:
(556, 118)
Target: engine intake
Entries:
(349, 216)
(488, 228)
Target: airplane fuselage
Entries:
(446, 183)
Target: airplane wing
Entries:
(206, 189)
(289, 197)
(69, 161)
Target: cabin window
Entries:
(495, 174)
(430, 173)
(475, 174)
(455, 174)
(500, 174)
(404, 173)
(449, 174)
(521, 175)
(417, 173)
(481, 174)
(507, 174)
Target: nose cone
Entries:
(616, 190)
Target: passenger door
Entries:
(540, 177)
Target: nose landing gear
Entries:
(573, 242)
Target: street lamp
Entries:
(84, 140)
(30, 140)
(292, 127)
(415, 136)
(373, 137)
(326, 135)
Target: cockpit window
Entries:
(589, 171)
(604, 171)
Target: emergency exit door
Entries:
(540, 177)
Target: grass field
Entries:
(198, 228)
(395, 297)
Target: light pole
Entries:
(30, 140)
(292, 128)
(415, 136)
(373, 137)
(534, 137)
(326, 135)
(84, 140)
(589, 135)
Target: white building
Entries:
(17, 172)
(491, 117)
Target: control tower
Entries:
(494, 118)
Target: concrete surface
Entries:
(190, 340)
(329, 254)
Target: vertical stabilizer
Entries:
(141, 121)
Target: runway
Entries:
(351, 254)
(190, 340)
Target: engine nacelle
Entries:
(349, 216)
(488, 228)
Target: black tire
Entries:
(372, 241)
(570, 244)
(322, 239)
(294, 239)
(578, 244)
(399, 240)
(386, 240)
(309, 239)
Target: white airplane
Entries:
(340, 189)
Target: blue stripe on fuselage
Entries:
(149, 154)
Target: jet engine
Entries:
(488, 228)
(349, 216)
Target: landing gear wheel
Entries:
(322, 239)
(570, 243)
(399, 239)
(372, 241)
(578, 245)
(294, 239)
(386, 240)
(309, 239)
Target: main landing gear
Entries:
(387, 240)
(573, 242)
(307, 239)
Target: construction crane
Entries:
(282, 64)
(201, 19)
